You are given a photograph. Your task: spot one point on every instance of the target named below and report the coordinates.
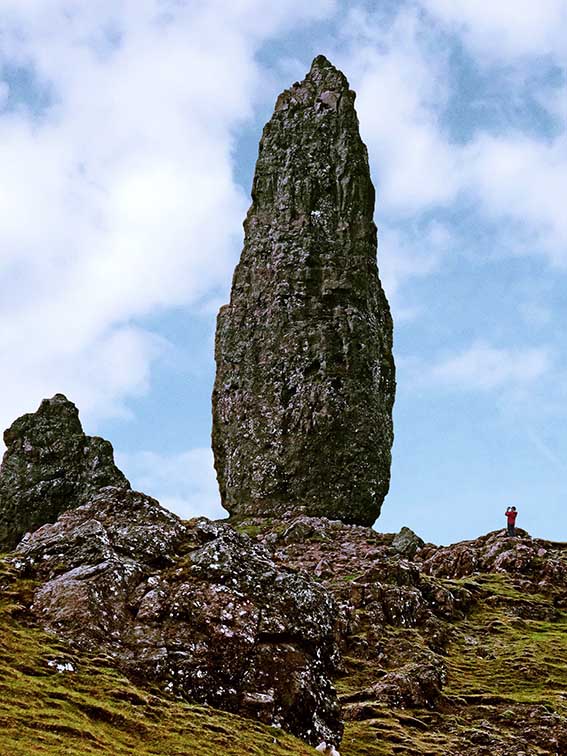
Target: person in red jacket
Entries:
(511, 514)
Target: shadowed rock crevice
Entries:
(302, 404)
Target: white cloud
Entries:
(406, 253)
(185, 483)
(546, 450)
(402, 91)
(505, 28)
(117, 194)
(518, 178)
(98, 374)
(402, 70)
(482, 367)
(116, 185)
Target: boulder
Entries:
(195, 608)
(521, 557)
(407, 543)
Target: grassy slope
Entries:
(95, 710)
(501, 663)
(501, 667)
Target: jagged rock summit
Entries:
(302, 403)
(50, 466)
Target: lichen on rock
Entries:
(195, 608)
(50, 465)
(302, 403)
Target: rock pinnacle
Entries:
(302, 403)
(50, 466)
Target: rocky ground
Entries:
(197, 609)
(57, 700)
(459, 650)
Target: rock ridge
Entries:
(266, 620)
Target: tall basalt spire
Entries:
(302, 403)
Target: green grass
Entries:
(498, 584)
(500, 668)
(250, 530)
(495, 656)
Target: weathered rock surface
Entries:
(454, 650)
(196, 608)
(407, 542)
(538, 562)
(302, 404)
(457, 650)
(50, 466)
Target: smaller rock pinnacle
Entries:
(50, 466)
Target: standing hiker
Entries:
(511, 514)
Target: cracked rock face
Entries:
(195, 608)
(50, 466)
(302, 403)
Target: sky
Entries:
(128, 136)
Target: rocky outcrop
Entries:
(195, 608)
(50, 466)
(532, 559)
(452, 650)
(406, 542)
(302, 403)
(455, 650)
